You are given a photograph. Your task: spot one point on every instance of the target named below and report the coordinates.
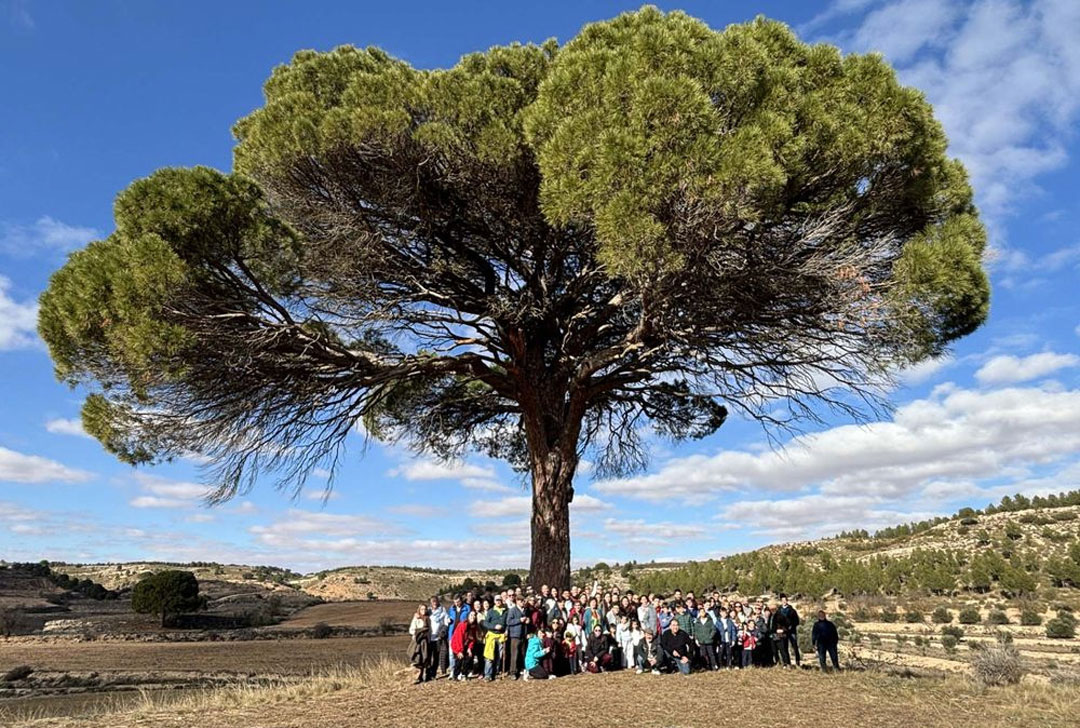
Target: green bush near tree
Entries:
(942, 615)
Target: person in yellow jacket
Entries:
(494, 637)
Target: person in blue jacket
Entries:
(535, 652)
(457, 613)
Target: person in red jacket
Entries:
(465, 645)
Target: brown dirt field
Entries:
(804, 699)
(284, 657)
(353, 614)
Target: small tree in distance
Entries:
(167, 593)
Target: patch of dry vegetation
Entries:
(379, 693)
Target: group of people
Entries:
(548, 634)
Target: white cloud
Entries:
(522, 506)
(18, 321)
(642, 532)
(900, 29)
(200, 518)
(955, 434)
(418, 510)
(44, 234)
(153, 501)
(16, 467)
(323, 540)
(172, 488)
(1012, 369)
(1004, 78)
(300, 522)
(513, 506)
(486, 484)
(436, 470)
(61, 426)
(925, 370)
(814, 515)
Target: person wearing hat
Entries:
(649, 655)
(494, 638)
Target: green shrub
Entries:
(913, 616)
(953, 630)
(948, 641)
(888, 614)
(321, 631)
(874, 639)
(1058, 628)
(1030, 618)
(941, 615)
(901, 639)
(997, 617)
(1065, 516)
(969, 615)
(862, 614)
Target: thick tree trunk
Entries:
(552, 477)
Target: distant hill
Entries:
(1019, 548)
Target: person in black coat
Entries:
(678, 649)
(598, 655)
(825, 638)
(786, 625)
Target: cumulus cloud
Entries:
(1004, 78)
(44, 234)
(900, 29)
(153, 501)
(300, 522)
(486, 484)
(62, 426)
(925, 370)
(15, 467)
(634, 532)
(955, 434)
(436, 470)
(522, 506)
(814, 515)
(1012, 369)
(418, 510)
(178, 489)
(306, 537)
(18, 320)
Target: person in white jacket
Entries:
(632, 637)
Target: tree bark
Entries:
(552, 481)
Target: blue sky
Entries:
(98, 94)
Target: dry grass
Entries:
(380, 694)
(353, 614)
